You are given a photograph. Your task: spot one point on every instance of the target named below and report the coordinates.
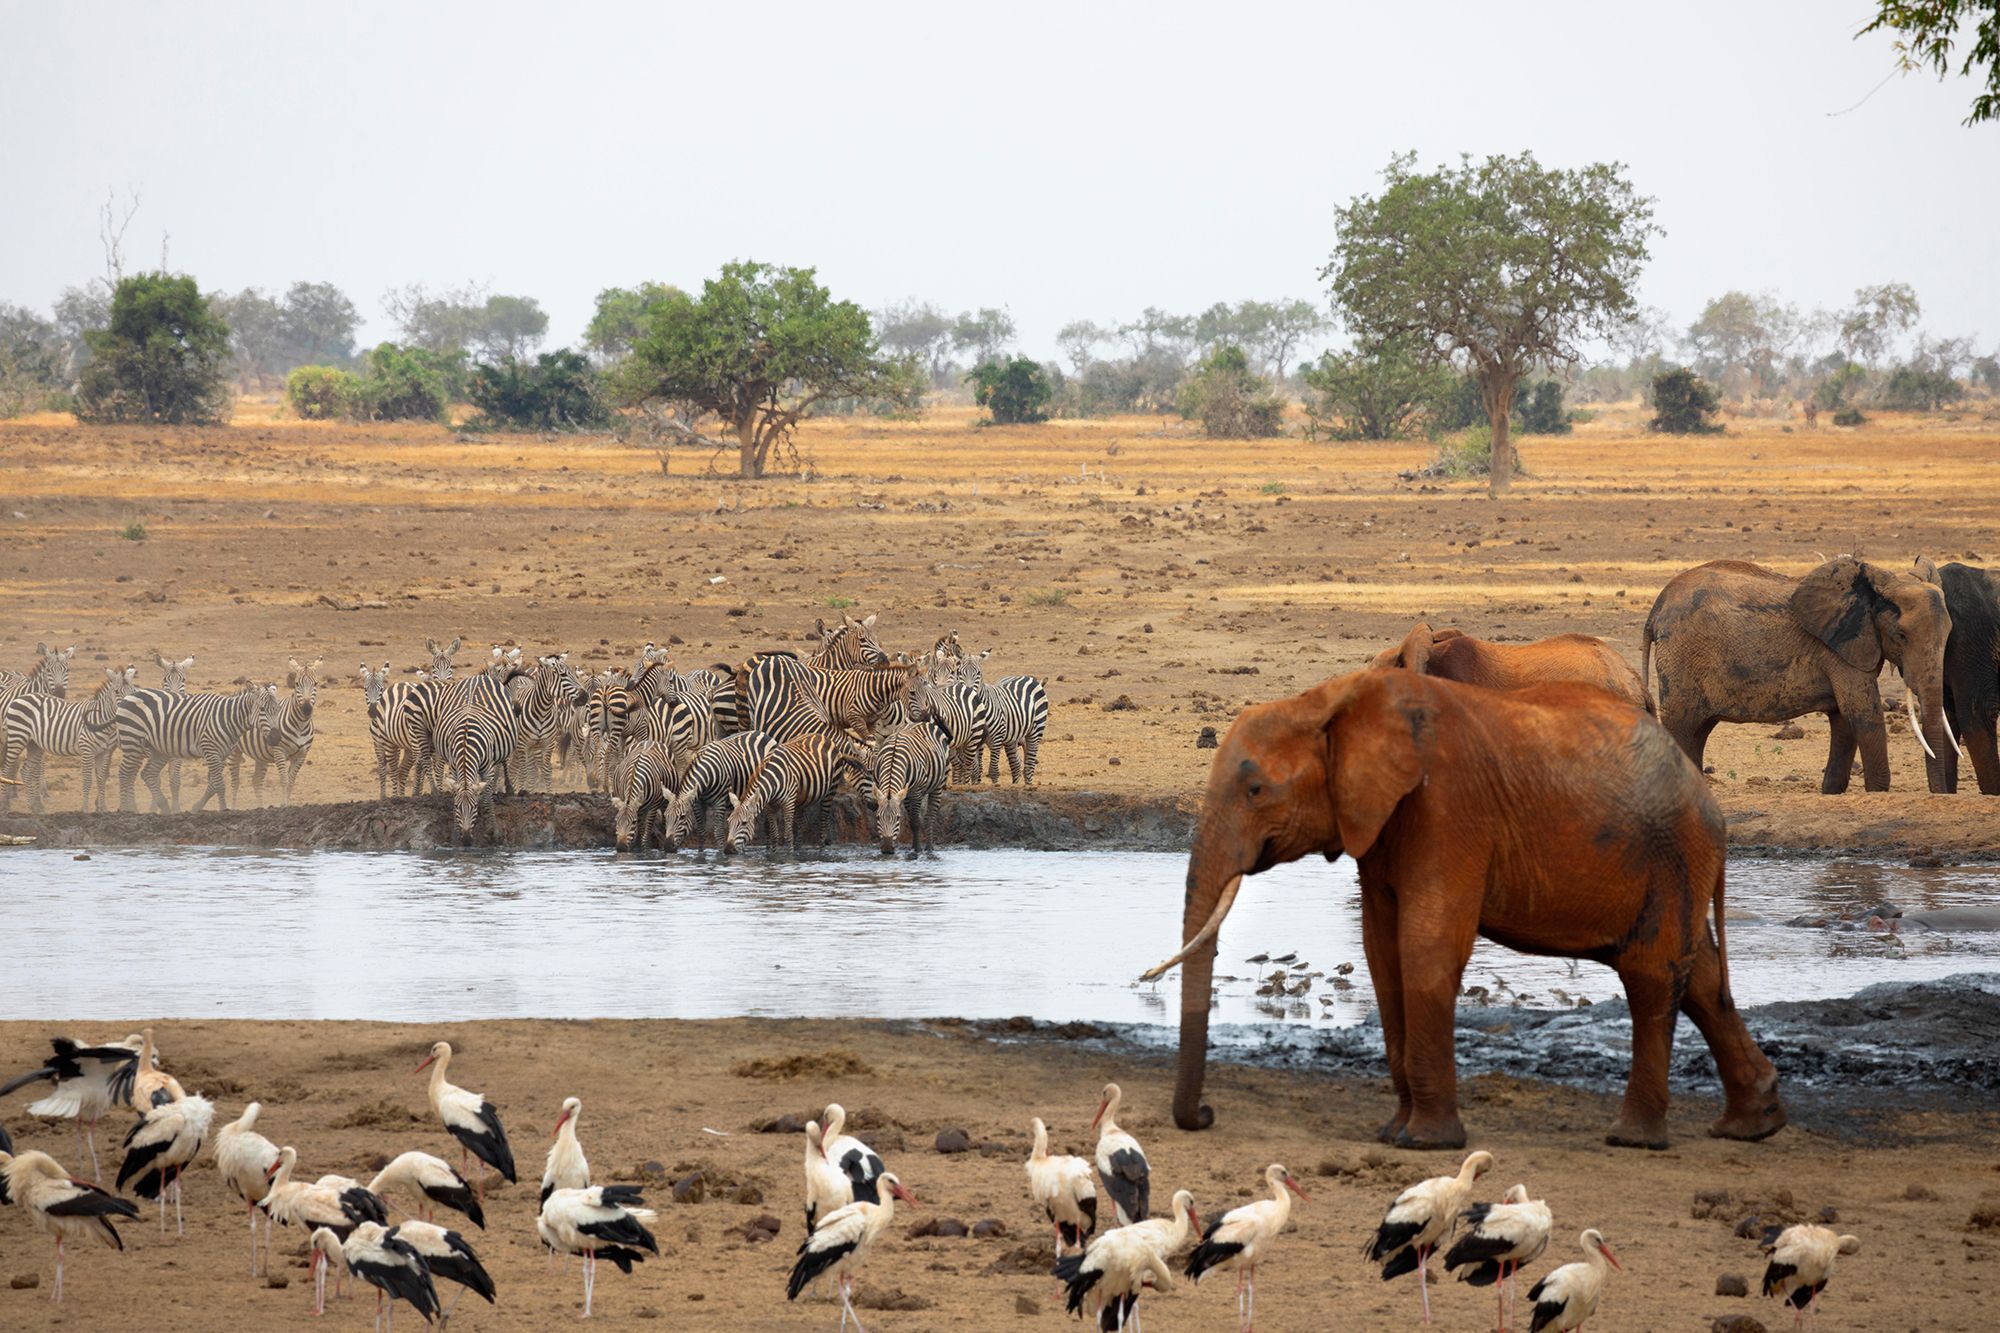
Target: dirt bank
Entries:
(344, 1094)
(1889, 826)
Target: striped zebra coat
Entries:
(851, 643)
(801, 775)
(683, 723)
(49, 675)
(283, 737)
(480, 732)
(782, 702)
(154, 727)
(639, 798)
(1017, 716)
(35, 726)
(174, 680)
(912, 767)
(856, 699)
(721, 770)
(960, 709)
(546, 695)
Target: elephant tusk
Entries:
(1948, 735)
(1910, 702)
(1202, 936)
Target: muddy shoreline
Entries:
(1925, 830)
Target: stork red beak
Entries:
(559, 1124)
(425, 1065)
(905, 1195)
(1194, 1219)
(1101, 1108)
(1605, 1250)
(1293, 1186)
(272, 1169)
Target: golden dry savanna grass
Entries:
(1124, 560)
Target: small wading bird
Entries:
(1568, 1296)
(842, 1240)
(433, 1181)
(1121, 1162)
(1496, 1239)
(1123, 1261)
(1243, 1236)
(449, 1258)
(246, 1160)
(1802, 1260)
(66, 1208)
(88, 1081)
(392, 1266)
(602, 1222)
(159, 1148)
(1419, 1219)
(1062, 1188)
(468, 1117)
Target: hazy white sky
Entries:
(1071, 160)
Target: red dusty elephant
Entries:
(1580, 658)
(1555, 820)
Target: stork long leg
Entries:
(90, 1137)
(1424, 1278)
(56, 1296)
(180, 1226)
(1250, 1314)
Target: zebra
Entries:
(782, 704)
(174, 680)
(683, 722)
(49, 676)
(717, 684)
(804, 773)
(480, 732)
(541, 700)
(644, 785)
(851, 643)
(960, 708)
(721, 770)
(855, 699)
(38, 725)
(441, 667)
(399, 749)
(419, 715)
(284, 738)
(154, 726)
(611, 709)
(910, 775)
(1017, 709)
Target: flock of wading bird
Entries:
(850, 1201)
(773, 743)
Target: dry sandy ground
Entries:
(345, 1096)
(1122, 560)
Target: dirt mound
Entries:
(821, 1064)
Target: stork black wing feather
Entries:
(409, 1281)
(812, 1262)
(93, 1202)
(622, 1257)
(462, 1266)
(1070, 1272)
(1208, 1254)
(622, 1230)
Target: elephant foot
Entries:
(1393, 1126)
(1765, 1117)
(1635, 1132)
(1431, 1136)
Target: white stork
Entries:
(159, 1148)
(1802, 1260)
(246, 1159)
(1497, 1238)
(1243, 1236)
(448, 1257)
(856, 1160)
(392, 1266)
(1121, 1162)
(87, 1082)
(601, 1222)
(434, 1181)
(1062, 1188)
(567, 1167)
(842, 1240)
(151, 1085)
(67, 1208)
(1421, 1217)
(1110, 1275)
(316, 1205)
(827, 1186)
(1565, 1298)
(468, 1117)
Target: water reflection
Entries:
(981, 934)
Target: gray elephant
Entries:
(1971, 667)
(1741, 643)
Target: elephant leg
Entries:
(1751, 1106)
(1980, 744)
(1379, 946)
(1651, 992)
(1433, 946)
(1839, 756)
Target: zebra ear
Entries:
(451, 648)
(869, 621)
(430, 645)
(187, 662)
(293, 663)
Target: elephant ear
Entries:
(1415, 654)
(1372, 760)
(1925, 568)
(1836, 605)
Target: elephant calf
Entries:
(1741, 643)
(1555, 820)
(1580, 658)
(1971, 668)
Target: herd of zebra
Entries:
(773, 743)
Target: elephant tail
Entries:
(1646, 669)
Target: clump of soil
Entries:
(836, 1063)
(386, 1113)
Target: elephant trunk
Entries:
(1211, 892)
(1932, 730)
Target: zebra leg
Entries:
(216, 787)
(9, 768)
(1030, 750)
(37, 777)
(1013, 764)
(993, 763)
(174, 772)
(153, 769)
(128, 775)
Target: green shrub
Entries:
(1459, 405)
(556, 391)
(1379, 394)
(164, 358)
(1540, 411)
(1229, 401)
(1049, 597)
(1913, 389)
(133, 532)
(1849, 416)
(1842, 387)
(1684, 404)
(1016, 392)
(409, 383)
(1467, 452)
(322, 393)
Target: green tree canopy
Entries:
(1502, 265)
(164, 357)
(985, 333)
(759, 348)
(1928, 30)
(621, 318)
(1016, 392)
(1377, 393)
(1879, 315)
(919, 331)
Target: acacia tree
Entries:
(919, 331)
(759, 348)
(985, 333)
(1501, 266)
(1879, 315)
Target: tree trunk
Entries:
(1496, 387)
(749, 466)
